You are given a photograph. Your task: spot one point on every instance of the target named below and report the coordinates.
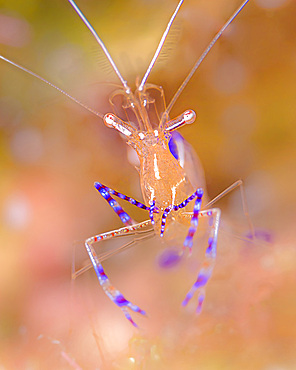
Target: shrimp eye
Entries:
(109, 120)
(112, 121)
(189, 116)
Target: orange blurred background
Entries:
(52, 151)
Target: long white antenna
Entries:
(204, 54)
(52, 85)
(92, 30)
(160, 45)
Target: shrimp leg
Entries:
(124, 217)
(198, 195)
(210, 256)
(113, 293)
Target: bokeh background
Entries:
(52, 151)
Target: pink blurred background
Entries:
(52, 151)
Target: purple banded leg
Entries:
(151, 211)
(188, 242)
(165, 214)
(124, 217)
(104, 281)
(210, 256)
(198, 195)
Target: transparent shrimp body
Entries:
(162, 177)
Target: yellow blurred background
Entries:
(52, 151)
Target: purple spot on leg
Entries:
(138, 309)
(201, 281)
(120, 301)
(100, 273)
(194, 222)
(117, 207)
(201, 298)
(210, 246)
(128, 316)
(104, 193)
(188, 243)
(98, 185)
(211, 222)
(197, 206)
(125, 217)
(199, 192)
(187, 298)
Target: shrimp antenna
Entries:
(52, 85)
(202, 57)
(160, 45)
(98, 39)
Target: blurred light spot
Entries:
(55, 341)
(132, 360)
(169, 258)
(260, 193)
(239, 120)
(267, 261)
(27, 145)
(17, 211)
(271, 4)
(22, 330)
(11, 113)
(67, 64)
(230, 77)
(263, 235)
(109, 325)
(14, 32)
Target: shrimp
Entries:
(169, 191)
